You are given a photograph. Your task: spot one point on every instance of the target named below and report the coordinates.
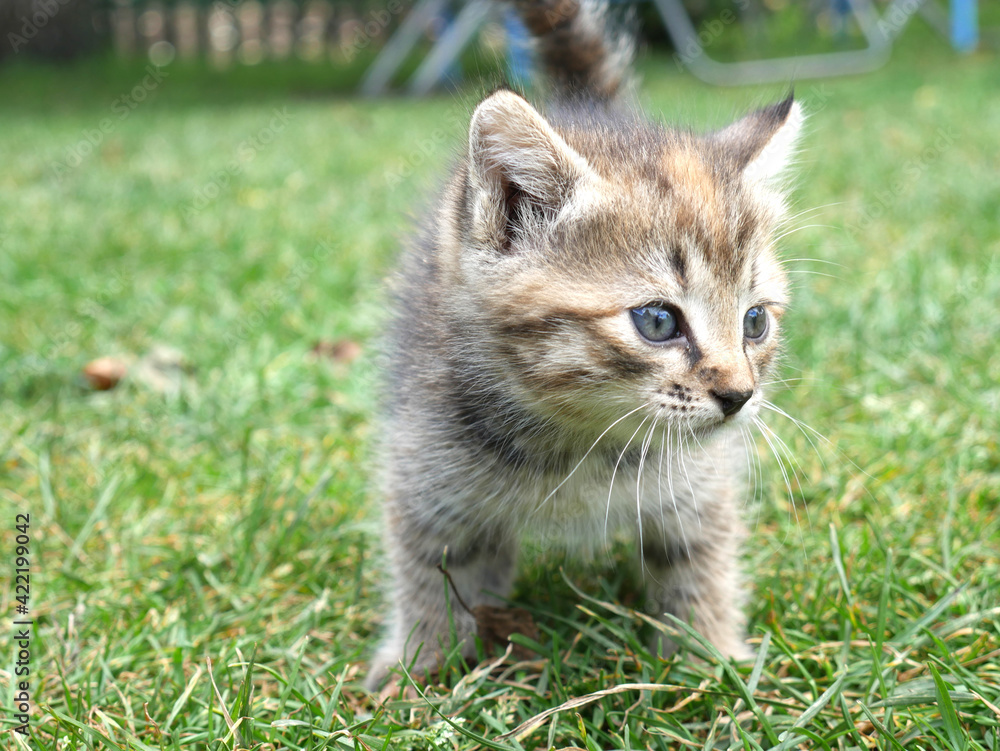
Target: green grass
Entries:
(210, 557)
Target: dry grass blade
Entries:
(993, 707)
(233, 726)
(535, 722)
(182, 699)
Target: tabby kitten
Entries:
(580, 333)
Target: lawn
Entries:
(204, 546)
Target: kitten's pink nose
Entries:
(731, 402)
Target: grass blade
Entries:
(952, 725)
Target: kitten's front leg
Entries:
(697, 578)
(480, 564)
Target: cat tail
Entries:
(583, 51)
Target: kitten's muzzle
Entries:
(731, 402)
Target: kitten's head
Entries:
(610, 264)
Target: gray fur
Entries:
(520, 397)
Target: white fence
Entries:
(248, 31)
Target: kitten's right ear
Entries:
(520, 169)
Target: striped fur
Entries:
(583, 52)
(520, 397)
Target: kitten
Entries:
(580, 333)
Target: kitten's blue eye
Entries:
(655, 322)
(755, 322)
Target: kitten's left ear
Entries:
(763, 142)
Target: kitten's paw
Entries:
(378, 673)
(392, 657)
(388, 664)
(385, 675)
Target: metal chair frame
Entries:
(877, 32)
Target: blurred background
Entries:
(200, 203)
(346, 38)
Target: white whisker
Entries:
(638, 489)
(659, 482)
(785, 381)
(798, 423)
(687, 476)
(767, 433)
(804, 427)
(792, 231)
(777, 445)
(810, 272)
(709, 454)
(583, 458)
(810, 210)
(673, 495)
(611, 488)
(753, 469)
(813, 260)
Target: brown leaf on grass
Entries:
(495, 625)
(104, 373)
(343, 350)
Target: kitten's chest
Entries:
(597, 498)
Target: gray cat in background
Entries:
(578, 344)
